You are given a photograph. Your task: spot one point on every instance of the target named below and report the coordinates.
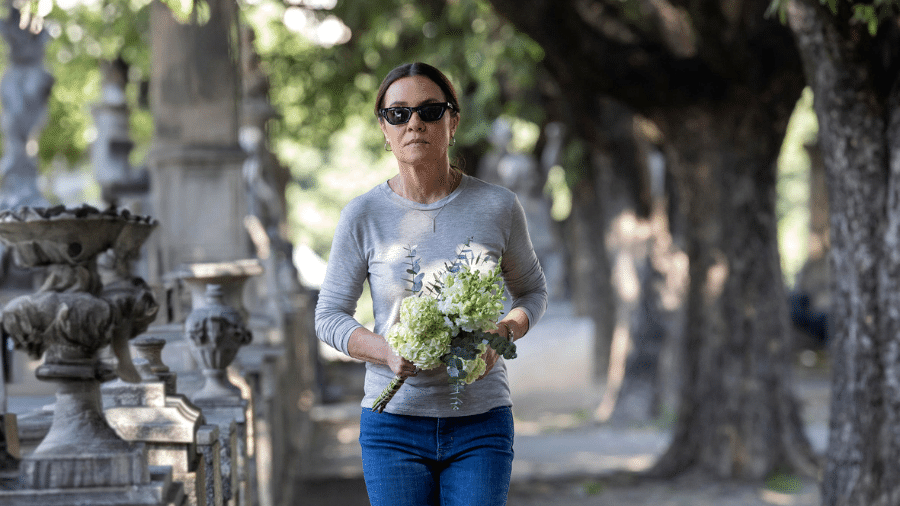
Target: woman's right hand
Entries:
(401, 366)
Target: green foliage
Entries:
(80, 36)
(324, 87)
(784, 483)
(593, 487)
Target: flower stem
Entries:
(387, 394)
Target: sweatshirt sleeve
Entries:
(347, 270)
(521, 270)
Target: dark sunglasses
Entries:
(427, 112)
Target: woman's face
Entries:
(418, 141)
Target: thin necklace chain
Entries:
(453, 185)
(434, 218)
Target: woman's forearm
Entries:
(368, 346)
(518, 323)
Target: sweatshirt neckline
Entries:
(386, 189)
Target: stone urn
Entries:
(70, 318)
(216, 327)
(216, 332)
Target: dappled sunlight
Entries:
(618, 355)
(625, 279)
(326, 32)
(716, 276)
(627, 230)
(670, 261)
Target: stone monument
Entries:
(71, 317)
(166, 423)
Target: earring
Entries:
(453, 140)
(387, 146)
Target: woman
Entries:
(419, 450)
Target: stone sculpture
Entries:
(71, 317)
(216, 332)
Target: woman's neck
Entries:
(425, 186)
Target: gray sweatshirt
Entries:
(370, 243)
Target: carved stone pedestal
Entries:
(166, 424)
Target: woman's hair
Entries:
(417, 69)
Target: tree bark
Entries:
(854, 77)
(721, 94)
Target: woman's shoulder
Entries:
(363, 204)
(483, 189)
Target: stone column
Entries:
(266, 180)
(81, 460)
(195, 164)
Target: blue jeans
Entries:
(424, 461)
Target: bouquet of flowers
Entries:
(448, 326)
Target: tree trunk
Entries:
(857, 100)
(738, 416)
(592, 293)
